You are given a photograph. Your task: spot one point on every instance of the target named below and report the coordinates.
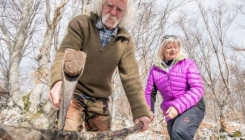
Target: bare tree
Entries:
(43, 58)
(240, 8)
(208, 43)
(85, 6)
(152, 23)
(18, 29)
(238, 84)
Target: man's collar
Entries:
(100, 26)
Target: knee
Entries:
(178, 132)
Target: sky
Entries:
(235, 33)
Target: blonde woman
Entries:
(178, 81)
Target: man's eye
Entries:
(111, 6)
(119, 9)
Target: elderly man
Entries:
(108, 45)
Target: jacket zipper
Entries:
(169, 76)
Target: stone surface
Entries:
(74, 62)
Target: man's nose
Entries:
(113, 11)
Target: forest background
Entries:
(212, 32)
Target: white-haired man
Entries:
(108, 45)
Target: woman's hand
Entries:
(172, 112)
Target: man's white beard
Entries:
(108, 16)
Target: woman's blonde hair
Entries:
(169, 39)
(129, 16)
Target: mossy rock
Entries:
(26, 101)
(237, 134)
(222, 137)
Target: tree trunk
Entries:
(222, 118)
(43, 58)
(85, 7)
(16, 55)
(42, 73)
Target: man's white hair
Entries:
(129, 16)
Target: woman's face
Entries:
(171, 50)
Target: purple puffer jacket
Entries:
(181, 87)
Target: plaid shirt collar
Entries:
(105, 35)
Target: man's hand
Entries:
(151, 116)
(172, 112)
(54, 94)
(146, 120)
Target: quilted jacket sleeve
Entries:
(194, 92)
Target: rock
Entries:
(228, 138)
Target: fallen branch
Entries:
(27, 133)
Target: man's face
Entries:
(112, 12)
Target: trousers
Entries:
(185, 125)
(88, 114)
